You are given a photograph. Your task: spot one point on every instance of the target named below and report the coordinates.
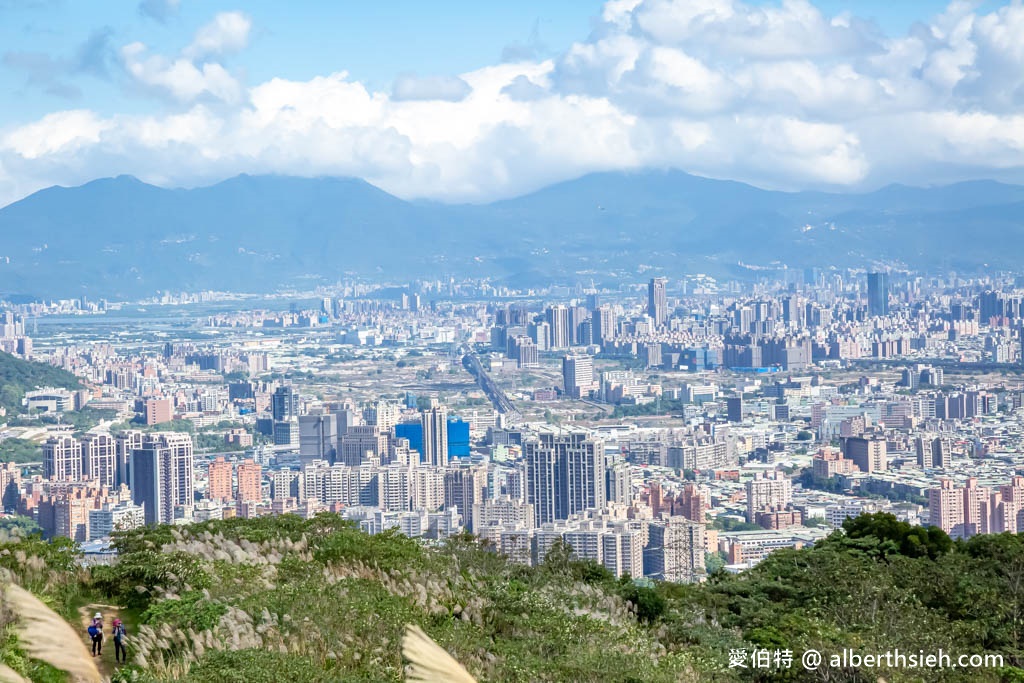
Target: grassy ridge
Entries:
(282, 598)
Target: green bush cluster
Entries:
(285, 598)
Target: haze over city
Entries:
(637, 340)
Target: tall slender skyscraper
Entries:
(318, 438)
(435, 437)
(878, 294)
(62, 459)
(565, 474)
(161, 475)
(657, 301)
(99, 458)
(125, 444)
(558, 319)
(284, 404)
(603, 325)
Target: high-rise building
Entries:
(565, 474)
(427, 488)
(657, 301)
(603, 325)
(464, 487)
(159, 411)
(286, 432)
(383, 414)
(362, 442)
(250, 482)
(577, 316)
(619, 485)
(969, 510)
(692, 503)
(318, 438)
(503, 511)
(768, 491)
(285, 484)
(525, 351)
(62, 459)
(66, 514)
(558, 319)
(115, 517)
(396, 487)
(932, 451)
(161, 475)
(219, 480)
(99, 459)
(976, 499)
(734, 408)
(945, 506)
(124, 444)
(869, 454)
(540, 333)
(577, 375)
(284, 404)
(878, 294)
(435, 437)
(10, 486)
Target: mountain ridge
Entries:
(124, 238)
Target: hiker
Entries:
(96, 634)
(118, 632)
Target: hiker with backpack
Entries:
(118, 632)
(96, 634)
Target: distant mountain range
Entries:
(121, 238)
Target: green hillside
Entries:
(282, 598)
(18, 376)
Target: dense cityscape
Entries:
(603, 341)
(666, 429)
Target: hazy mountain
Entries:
(120, 237)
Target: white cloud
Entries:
(195, 73)
(444, 88)
(227, 33)
(776, 94)
(181, 78)
(60, 133)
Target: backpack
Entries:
(119, 631)
(93, 631)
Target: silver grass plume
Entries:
(45, 636)
(428, 661)
(9, 675)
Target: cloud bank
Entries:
(779, 95)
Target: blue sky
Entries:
(373, 41)
(407, 94)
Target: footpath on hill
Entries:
(105, 663)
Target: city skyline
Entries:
(338, 337)
(672, 429)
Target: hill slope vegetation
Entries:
(282, 598)
(18, 376)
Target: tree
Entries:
(898, 537)
(714, 562)
(20, 450)
(19, 526)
